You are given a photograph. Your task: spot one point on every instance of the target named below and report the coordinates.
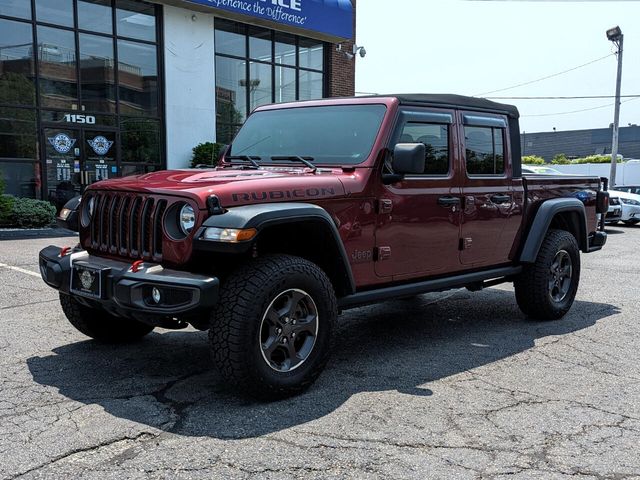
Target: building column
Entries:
(189, 85)
(342, 70)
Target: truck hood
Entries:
(234, 187)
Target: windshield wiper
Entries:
(246, 158)
(306, 160)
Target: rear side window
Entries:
(435, 138)
(484, 151)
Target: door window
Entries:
(62, 149)
(435, 138)
(100, 157)
(484, 151)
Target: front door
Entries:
(75, 158)
(418, 227)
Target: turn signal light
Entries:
(229, 235)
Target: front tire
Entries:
(100, 325)
(271, 332)
(546, 289)
(631, 223)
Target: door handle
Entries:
(501, 199)
(449, 201)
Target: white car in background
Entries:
(630, 203)
(540, 170)
(614, 214)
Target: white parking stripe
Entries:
(18, 269)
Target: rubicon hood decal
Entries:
(299, 193)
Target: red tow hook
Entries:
(64, 251)
(137, 265)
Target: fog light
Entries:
(156, 295)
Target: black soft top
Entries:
(457, 101)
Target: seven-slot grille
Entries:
(127, 225)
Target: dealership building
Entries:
(95, 89)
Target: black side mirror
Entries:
(68, 216)
(409, 158)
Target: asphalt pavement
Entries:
(449, 385)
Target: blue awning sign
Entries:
(326, 19)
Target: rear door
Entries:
(491, 214)
(418, 226)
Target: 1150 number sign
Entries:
(73, 118)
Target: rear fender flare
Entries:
(542, 222)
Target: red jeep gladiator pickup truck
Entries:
(317, 207)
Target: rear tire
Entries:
(100, 325)
(271, 332)
(546, 289)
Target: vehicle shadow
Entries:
(167, 381)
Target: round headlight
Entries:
(91, 206)
(87, 209)
(187, 219)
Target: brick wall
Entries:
(342, 71)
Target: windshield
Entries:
(334, 135)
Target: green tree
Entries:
(206, 154)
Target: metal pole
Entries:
(616, 119)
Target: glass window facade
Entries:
(80, 93)
(256, 66)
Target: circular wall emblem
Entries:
(62, 142)
(100, 145)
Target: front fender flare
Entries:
(264, 215)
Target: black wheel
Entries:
(271, 333)
(546, 289)
(631, 222)
(100, 325)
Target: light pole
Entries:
(615, 35)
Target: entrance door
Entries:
(75, 158)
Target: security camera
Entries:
(363, 52)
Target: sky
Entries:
(471, 47)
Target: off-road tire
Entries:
(100, 325)
(235, 325)
(532, 285)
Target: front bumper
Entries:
(128, 293)
(614, 214)
(630, 212)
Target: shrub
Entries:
(561, 159)
(596, 159)
(6, 204)
(206, 154)
(533, 160)
(30, 213)
(6, 207)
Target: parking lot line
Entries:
(18, 269)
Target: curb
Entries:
(25, 234)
